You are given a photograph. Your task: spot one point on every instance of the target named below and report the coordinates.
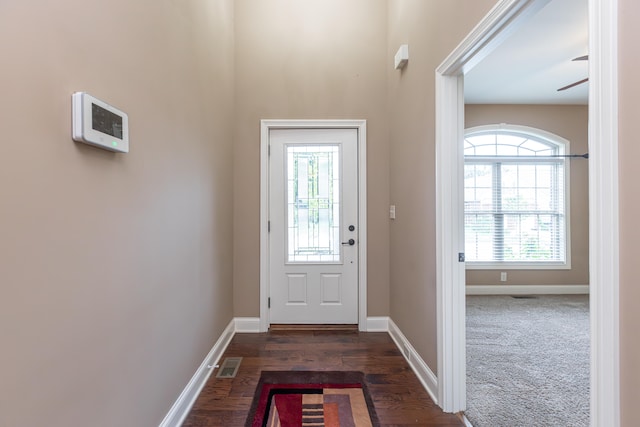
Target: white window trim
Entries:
(564, 148)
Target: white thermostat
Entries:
(97, 123)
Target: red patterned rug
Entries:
(312, 398)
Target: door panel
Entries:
(313, 216)
(297, 289)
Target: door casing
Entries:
(603, 203)
(265, 127)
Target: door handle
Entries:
(351, 242)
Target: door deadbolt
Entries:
(352, 227)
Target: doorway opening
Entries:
(603, 202)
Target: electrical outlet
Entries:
(503, 276)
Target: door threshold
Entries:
(311, 327)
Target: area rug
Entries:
(312, 398)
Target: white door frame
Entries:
(603, 202)
(265, 127)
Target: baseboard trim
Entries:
(252, 324)
(378, 324)
(180, 409)
(420, 368)
(247, 324)
(527, 290)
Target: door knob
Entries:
(351, 242)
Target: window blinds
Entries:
(514, 200)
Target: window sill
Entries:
(517, 266)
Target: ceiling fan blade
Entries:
(581, 58)
(573, 84)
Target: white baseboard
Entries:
(527, 290)
(378, 324)
(247, 324)
(252, 324)
(425, 375)
(182, 406)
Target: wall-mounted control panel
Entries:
(99, 124)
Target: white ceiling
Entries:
(535, 60)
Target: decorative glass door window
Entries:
(313, 203)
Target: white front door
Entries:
(313, 217)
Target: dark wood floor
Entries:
(399, 398)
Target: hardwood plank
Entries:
(398, 395)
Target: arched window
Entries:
(516, 198)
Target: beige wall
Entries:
(115, 269)
(569, 122)
(432, 29)
(629, 90)
(317, 59)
